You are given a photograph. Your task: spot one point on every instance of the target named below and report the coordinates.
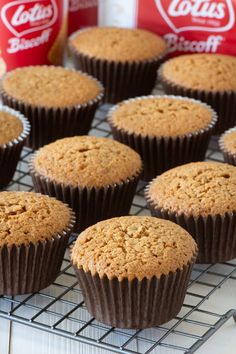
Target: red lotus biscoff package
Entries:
(82, 13)
(33, 32)
(202, 26)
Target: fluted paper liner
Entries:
(29, 268)
(159, 154)
(136, 303)
(89, 204)
(229, 157)
(10, 152)
(223, 102)
(215, 235)
(50, 124)
(121, 79)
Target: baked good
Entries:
(201, 197)
(97, 177)
(11, 127)
(124, 60)
(227, 144)
(59, 102)
(34, 231)
(166, 131)
(14, 129)
(134, 270)
(207, 77)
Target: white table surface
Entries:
(25, 340)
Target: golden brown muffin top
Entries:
(228, 141)
(118, 44)
(10, 127)
(200, 188)
(210, 72)
(50, 86)
(161, 116)
(29, 217)
(87, 161)
(133, 247)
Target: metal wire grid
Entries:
(59, 309)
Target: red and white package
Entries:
(33, 32)
(82, 13)
(202, 26)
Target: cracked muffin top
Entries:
(161, 116)
(118, 44)
(133, 247)
(228, 141)
(27, 217)
(210, 72)
(87, 161)
(10, 127)
(200, 188)
(49, 86)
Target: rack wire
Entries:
(59, 309)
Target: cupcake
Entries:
(227, 143)
(166, 131)
(14, 129)
(200, 197)
(33, 237)
(59, 102)
(124, 60)
(208, 77)
(97, 177)
(134, 270)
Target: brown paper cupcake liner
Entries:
(10, 152)
(135, 304)
(215, 235)
(223, 102)
(89, 204)
(29, 268)
(121, 79)
(50, 124)
(229, 157)
(159, 154)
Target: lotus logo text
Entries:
(197, 15)
(24, 17)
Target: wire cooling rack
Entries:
(59, 309)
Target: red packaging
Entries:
(202, 26)
(33, 32)
(82, 13)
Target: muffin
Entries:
(124, 60)
(227, 143)
(97, 177)
(166, 131)
(34, 231)
(59, 102)
(134, 270)
(14, 129)
(200, 197)
(208, 77)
